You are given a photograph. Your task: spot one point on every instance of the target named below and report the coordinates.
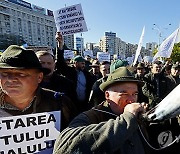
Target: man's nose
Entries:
(131, 98)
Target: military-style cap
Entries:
(116, 64)
(78, 59)
(121, 74)
(20, 58)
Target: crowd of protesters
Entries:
(35, 82)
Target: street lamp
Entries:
(160, 31)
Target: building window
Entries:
(37, 19)
(23, 15)
(18, 13)
(33, 18)
(6, 18)
(13, 12)
(28, 16)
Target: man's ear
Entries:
(40, 77)
(107, 95)
(75, 63)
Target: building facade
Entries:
(32, 24)
(151, 46)
(89, 46)
(29, 22)
(79, 44)
(108, 42)
(69, 41)
(116, 47)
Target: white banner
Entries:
(29, 133)
(166, 46)
(68, 54)
(70, 20)
(102, 56)
(168, 108)
(139, 47)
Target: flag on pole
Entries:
(139, 47)
(165, 49)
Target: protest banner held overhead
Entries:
(68, 54)
(103, 56)
(33, 133)
(70, 20)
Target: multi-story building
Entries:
(120, 48)
(96, 48)
(32, 24)
(69, 41)
(90, 46)
(27, 21)
(115, 46)
(108, 42)
(79, 44)
(150, 47)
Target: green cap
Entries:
(78, 59)
(19, 58)
(121, 74)
(117, 63)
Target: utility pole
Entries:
(160, 31)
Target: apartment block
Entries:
(32, 24)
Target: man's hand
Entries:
(134, 108)
(60, 41)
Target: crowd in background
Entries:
(80, 78)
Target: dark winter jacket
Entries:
(45, 101)
(100, 131)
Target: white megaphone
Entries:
(168, 108)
